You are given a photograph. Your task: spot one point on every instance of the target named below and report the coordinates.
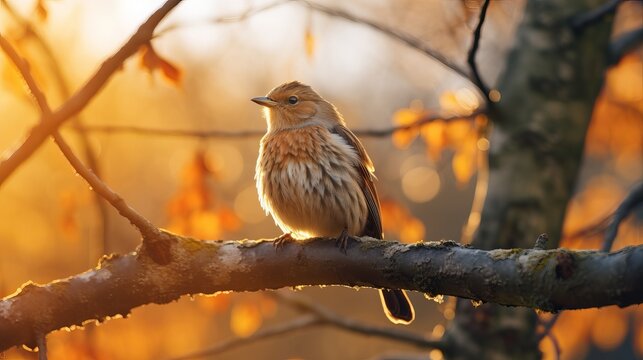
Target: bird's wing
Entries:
(365, 167)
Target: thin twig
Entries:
(406, 38)
(593, 229)
(223, 19)
(205, 134)
(471, 58)
(316, 315)
(331, 318)
(299, 323)
(41, 342)
(142, 224)
(50, 123)
(580, 22)
(623, 44)
(554, 342)
(631, 201)
(65, 92)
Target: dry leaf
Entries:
(400, 223)
(403, 138)
(433, 135)
(464, 160)
(41, 11)
(151, 61)
(245, 318)
(309, 41)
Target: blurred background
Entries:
(208, 59)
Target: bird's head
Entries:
(293, 105)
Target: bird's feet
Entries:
(282, 240)
(342, 241)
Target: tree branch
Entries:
(580, 22)
(623, 44)
(401, 36)
(318, 315)
(50, 122)
(299, 323)
(227, 134)
(471, 57)
(631, 201)
(142, 224)
(65, 92)
(547, 279)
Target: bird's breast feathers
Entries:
(307, 178)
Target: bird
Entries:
(315, 178)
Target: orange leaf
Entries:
(457, 131)
(403, 138)
(412, 231)
(434, 137)
(309, 41)
(218, 303)
(229, 220)
(464, 160)
(170, 72)
(41, 11)
(245, 318)
(610, 327)
(68, 205)
(151, 61)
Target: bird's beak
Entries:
(264, 101)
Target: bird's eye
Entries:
(293, 100)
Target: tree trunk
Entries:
(552, 78)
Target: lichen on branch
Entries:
(550, 280)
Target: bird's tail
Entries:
(397, 306)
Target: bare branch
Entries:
(547, 279)
(317, 315)
(141, 223)
(584, 20)
(41, 342)
(331, 318)
(50, 123)
(623, 44)
(471, 58)
(299, 323)
(223, 134)
(65, 92)
(393, 33)
(631, 201)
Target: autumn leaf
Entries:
(195, 210)
(398, 221)
(151, 61)
(309, 41)
(68, 222)
(41, 11)
(464, 160)
(405, 116)
(433, 135)
(412, 231)
(218, 303)
(245, 318)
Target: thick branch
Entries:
(547, 279)
(50, 122)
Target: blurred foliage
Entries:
(204, 188)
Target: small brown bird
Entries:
(316, 179)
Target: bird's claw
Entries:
(342, 241)
(280, 241)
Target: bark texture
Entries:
(545, 279)
(552, 78)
